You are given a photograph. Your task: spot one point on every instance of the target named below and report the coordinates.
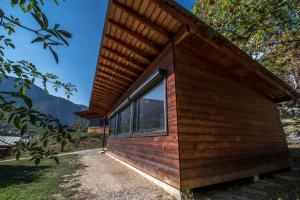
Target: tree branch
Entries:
(32, 30)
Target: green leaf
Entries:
(27, 101)
(40, 22)
(45, 20)
(65, 33)
(17, 122)
(54, 54)
(18, 155)
(56, 159)
(1, 13)
(23, 90)
(37, 161)
(56, 26)
(24, 129)
(38, 39)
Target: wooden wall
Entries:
(98, 129)
(157, 156)
(226, 129)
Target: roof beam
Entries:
(139, 65)
(142, 19)
(103, 101)
(130, 48)
(105, 69)
(96, 107)
(118, 80)
(121, 66)
(102, 86)
(139, 37)
(99, 88)
(111, 83)
(107, 98)
(119, 71)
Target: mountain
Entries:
(57, 107)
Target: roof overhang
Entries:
(87, 114)
(136, 32)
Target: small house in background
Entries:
(184, 105)
(97, 124)
(6, 145)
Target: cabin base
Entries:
(169, 189)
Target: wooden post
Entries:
(80, 126)
(104, 132)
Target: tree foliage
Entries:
(268, 30)
(22, 116)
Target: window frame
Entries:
(110, 134)
(148, 132)
(120, 135)
(158, 77)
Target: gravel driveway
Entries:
(106, 178)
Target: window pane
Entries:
(151, 110)
(124, 121)
(96, 122)
(112, 125)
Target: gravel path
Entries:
(105, 178)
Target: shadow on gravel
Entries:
(284, 184)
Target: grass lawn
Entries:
(23, 180)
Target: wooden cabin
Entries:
(184, 105)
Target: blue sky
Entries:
(85, 20)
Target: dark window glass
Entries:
(96, 122)
(150, 111)
(124, 121)
(113, 125)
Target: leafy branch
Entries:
(24, 115)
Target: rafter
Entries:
(105, 99)
(130, 48)
(95, 107)
(111, 83)
(134, 72)
(139, 37)
(127, 58)
(142, 19)
(106, 90)
(107, 87)
(118, 80)
(118, 71)
(114, 81)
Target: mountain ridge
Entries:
(43, 102)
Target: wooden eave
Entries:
(135, 33)
(87, 114)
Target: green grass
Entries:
(22, 180)
(295, 122)
(83, 141)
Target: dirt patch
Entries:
(104, 178)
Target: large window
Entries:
(96, 122)
(124, 121)
(144, 112)
(113, 125)
(150, 110)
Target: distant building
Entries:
(8, 142)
